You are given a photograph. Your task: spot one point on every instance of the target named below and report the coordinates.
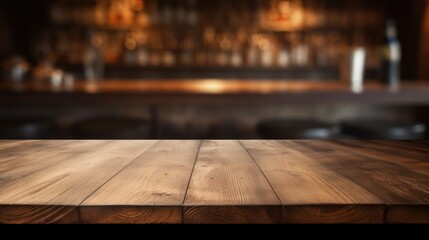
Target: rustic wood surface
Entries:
(151, 189)
(176, 181)
(58, 189)
(309, 191)
(400, 184)
(227, 186)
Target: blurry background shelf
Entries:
(198, 72)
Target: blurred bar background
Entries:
(210, 69)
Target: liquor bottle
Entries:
(236, 54)
(266, 50)
(284, 54)
(170, 44)
(129, 51)
(391, 57)
(93, 60)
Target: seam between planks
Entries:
(79, 205)
(386, 210)
(263, 174)
(387, 205)
(383, 203)
(182, 206)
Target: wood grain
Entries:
(412, 160)
(228, 187)
(67, 183)
(411, 146)
(27, 164)
(9, 143)
(408, 214)
(230, 214)
(177, 181)
(149, 190)
(395, 184)
(23, 148)
(38, 214)
(385, 147)
(337, 213)
(129, 214)
(306, 188)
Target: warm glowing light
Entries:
(130, 44)
(91, 87)
(225, 44)
(96, 41)
(211, 86)
(285, 7)
(138, 5)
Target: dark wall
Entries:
(24, 20)
(409, 17)
(6, 47)
(424, 46)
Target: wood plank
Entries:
(396, 185)
(334, 214)
(408, 214)
(63, 186)
(39, 214)
(419, 164)
(232, 182)
(414, 146)
(422, 142)
(26, 147)
(309, 192)
(43, 157)
(381, 146)
(228, 187)
(10, 143)
(149, 190)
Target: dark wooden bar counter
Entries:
(213, 91)
(176, 181)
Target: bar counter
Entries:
(253, 181)
(213, 91)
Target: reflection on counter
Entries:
(216, 108)
(60, 83)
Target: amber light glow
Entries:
(211, 86)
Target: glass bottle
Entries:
(391, 57)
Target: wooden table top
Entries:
(222, 181)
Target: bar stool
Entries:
(112, 127)
(296, 129)
(384, 130)
(27, 128)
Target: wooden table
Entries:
(176, 181)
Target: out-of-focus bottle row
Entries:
(236, 33)
(211, 48)
(280, 14)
